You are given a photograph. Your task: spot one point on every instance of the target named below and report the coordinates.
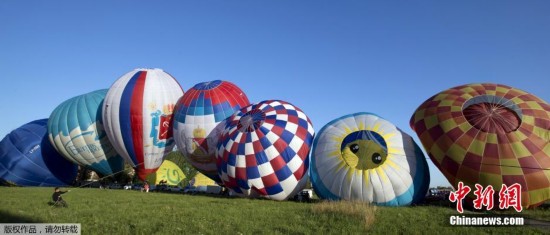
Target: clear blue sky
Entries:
(329, 58)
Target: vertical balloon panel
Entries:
(137, 112)
(75, 129)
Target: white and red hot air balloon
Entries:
(137, 115)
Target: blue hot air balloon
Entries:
(28, 159)
(75, 129)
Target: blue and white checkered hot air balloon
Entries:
(366, 158)
(137, 113)
(264, 150)
(75, 129)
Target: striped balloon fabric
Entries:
(363, 157)
(264, 150)
(198, 122)
(75, 129)
(137, 115)
(489, 134)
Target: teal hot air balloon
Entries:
(364, 157)
(75, 129)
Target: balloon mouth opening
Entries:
(492, 114)
(364, 150)
(207, 85)
(251, 121)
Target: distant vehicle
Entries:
(175, 189)
(115, 186)
(89, 184)
(435, 194)
(137, 186)
(303, 196)
(191, 190)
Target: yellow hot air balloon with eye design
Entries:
(366, 158)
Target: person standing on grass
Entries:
(57, 199)
(145, 187)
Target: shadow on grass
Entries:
(6, 217)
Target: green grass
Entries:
(434, 220)
(539, 213)
(133, 212)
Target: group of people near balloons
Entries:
(488, 134)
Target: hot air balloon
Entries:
(137, 116)
(28, 159)
(489, 134)
(264, 149)
(175, 169)
(168, 172)
(197, 121)
(363, 157)
(75, 129)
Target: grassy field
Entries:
(133, 212)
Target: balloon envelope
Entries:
(197, 119)
(366, 158)
(489, 134)
(168, 172)
(75, 129)
(28, 159)
(264, 150)
(137, 115)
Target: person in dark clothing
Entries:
(57, 199)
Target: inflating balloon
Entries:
(489, 134)
(75, 129)
(137, 115)
(197, 121)
(28, 159)
(366, 158)
(168, 172)
(264, 150)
